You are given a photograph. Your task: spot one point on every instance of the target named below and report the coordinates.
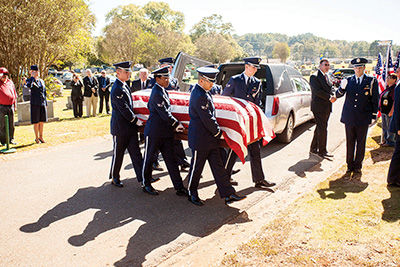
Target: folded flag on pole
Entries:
(242, 122)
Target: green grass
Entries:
(343, 222)
(67, 129)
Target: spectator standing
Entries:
(26, 92)
(76, 96)
(386, 107)
(38, 103)
(143, 82)
(321, 105)
(393, 178)
(104, 91)
(90, 95)
(8, 100)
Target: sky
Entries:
(351, 20)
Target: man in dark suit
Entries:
(104, 91)
(159, 134)
(204, 134)
(124, 125)
(143, 82)
(321, 105)
(90, 94)
(360, 107)
(247, 87)
(393, 178)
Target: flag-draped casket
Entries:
(242, 122)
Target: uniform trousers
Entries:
(255, 161)
(91, 103)
(220, 174)
(394, 168)
(356, 137)
(318, 143)
(104, 97)
(121, 143)
(166, 146)
(179, 153)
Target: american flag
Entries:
(396, 65)
(378, 73)
(390, 63)
(242, 122)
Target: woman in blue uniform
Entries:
(38, 103)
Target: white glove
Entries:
(180, 128)
(343, 83)
(139, 123)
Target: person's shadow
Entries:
(338, 188)
(165, 217)
(391, 206)
(306, 165)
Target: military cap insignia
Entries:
(358, 60)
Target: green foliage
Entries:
(143, 34)
(281, 51)
(217, 48)
(43, 32)
(53, 87)
(308, 47)
(211, 25)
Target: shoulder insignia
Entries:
(119, 97)
(205, 107)
(160, 104)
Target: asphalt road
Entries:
(58, 207)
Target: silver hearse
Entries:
(286, 95)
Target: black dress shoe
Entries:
(117, 183)
(153, 180)
(233, 182)
(325, 155)
(235, 171)
(157, 167)
(182, 192)
(233, 197)
(196, 200)
(150, 190)
(264, 183)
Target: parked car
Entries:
(286, 95)
(66, 79)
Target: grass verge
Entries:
(67, 129)
(344, 222)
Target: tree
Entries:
(143, 35)
(217, 48)
(281, 51)
(42, 32)
(211, 25)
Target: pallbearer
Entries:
(204, 135)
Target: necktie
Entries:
(358, 80)
(142, 85)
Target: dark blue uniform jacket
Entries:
(236, 87)
(395, 122)
(173, 83)
(123, 120)
(361, 102)
(204, 131)
(38, 91)
(161, 122)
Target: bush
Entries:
(53, 87)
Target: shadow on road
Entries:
(346, 184)
(381, 154)
(305, 165)
(165, 217)
(391, 206)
